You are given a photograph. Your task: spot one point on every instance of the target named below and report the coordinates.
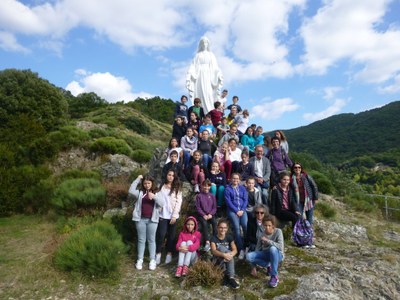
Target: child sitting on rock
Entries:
(187, 246)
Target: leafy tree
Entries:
(25, 93)
(157, 108)
(84, 103)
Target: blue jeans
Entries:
(207, 160)
(272, 256)
(238, 222)
(186, 158)
(146, 230)
(264, 187)
(309, 213)
(188, 258)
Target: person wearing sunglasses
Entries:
(255, 228)
(306, 191)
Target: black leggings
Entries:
(287, 215)
(165, 229)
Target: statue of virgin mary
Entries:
(204, 78)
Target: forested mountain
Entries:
(346, 136)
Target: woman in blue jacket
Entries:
(236, 202)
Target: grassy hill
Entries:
(346, 136)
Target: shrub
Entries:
(42, 150)
(21, 189)
(72, 194)
(205, 274)
(94, 250)
(116, 192)
(324, 184)
(141, 156)
(96, 133)
(68, 136)
(136, 124)
(361, 202)
(77, 173)
(111, 145)
(326, 210)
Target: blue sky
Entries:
(290, 62)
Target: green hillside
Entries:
(346, 136)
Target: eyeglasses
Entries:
(259, 212)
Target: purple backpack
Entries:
(303, 233)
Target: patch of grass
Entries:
(250, 296)
(326, 210)
(302, 255)
(285, 287)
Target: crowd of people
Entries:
(242, 183)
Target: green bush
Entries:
(68, 136)
(204, 274)
(136, 124)
(324, 184)
(94, 250)
(102, 119)
(23, 189)
(111, 145)
(99, 133)
(77, 173)
(326, 210)
(361, 202)
(72, 194)
(141, 156)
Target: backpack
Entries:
(303, 233)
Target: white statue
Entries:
(204, 77)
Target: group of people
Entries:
(241, 181)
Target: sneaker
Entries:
(241, 254)
(158, 258)
(185, 270)
(207, 247)
(269, 270)
(152, 265)
(312, 246)
(196, 189)
(139, 264)
(273, 282)
(178, 272)
(225, 282)
(168, 258)
(254, 272)
(306, 247)
(233, 283)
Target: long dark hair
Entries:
(153, 184)
(175, 184)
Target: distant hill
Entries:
(345, 136)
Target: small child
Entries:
(206, 206)
(197, 109)
(178, 129)
(235, 100)
(187, 246)
(196, 171)
(223, 249)
(173, 146)
(218, 183)
(181, 109)
(172, 165)
(222, 128)
(269, 251)
(207, 125)
(254, 196)
(245, 168)
(216, 113)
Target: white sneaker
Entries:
(158, 258)
(168, 258)
(312, 246)
(152, 265)
(196, 188)
(139, 264)
(241, 254)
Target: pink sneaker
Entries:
(178, 272)
(185, 270)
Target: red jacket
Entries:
(185, 236)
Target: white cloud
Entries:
(110, 87)
(344, 29)
(331, 110)
(8, 42)
(275, 109)
(391, 88)
(331, 91)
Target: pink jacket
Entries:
(185, 236)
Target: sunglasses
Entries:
(259, 212)
(296, 167)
